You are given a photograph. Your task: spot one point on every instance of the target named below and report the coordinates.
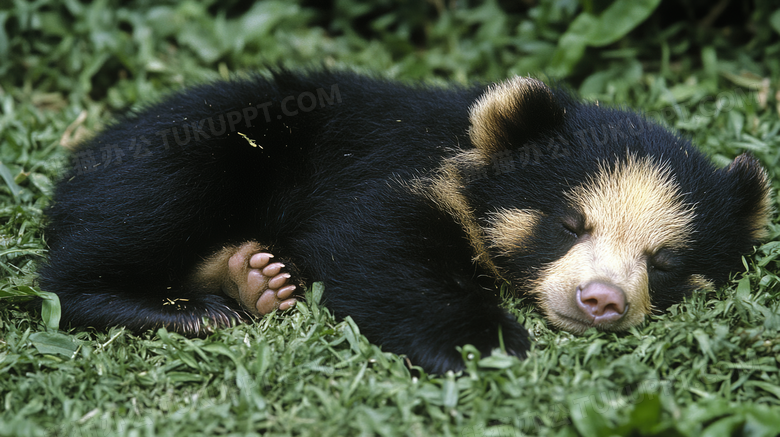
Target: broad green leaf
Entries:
(753, 83)
(774, 20)
(3, 37)
(54, 343)
(587, 420)
(571, 46)
(449, 392)
(618, 19)
(646, 413)
(762, 421)
(498, 361)
(179, 377)
(51, 310)
(8, 177)
(220, 348)
(317, 289)
(704, 343)
(725, 426)
(593, 350)
(615, 22)
(766, 386)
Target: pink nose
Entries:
(601, 302)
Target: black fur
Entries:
(328, 190)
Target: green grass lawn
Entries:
(707, 367)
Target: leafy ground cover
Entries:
(708, 366)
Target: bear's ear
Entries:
(511, 112)
(753, 192)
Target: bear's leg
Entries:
(430, 336)
(223, 290)
(424, 308)
(176, 310)
(246, 274)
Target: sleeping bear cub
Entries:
(411, 203)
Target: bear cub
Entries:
(410, 202)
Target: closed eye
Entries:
(574, 224)
(573, 231)
(662, 261)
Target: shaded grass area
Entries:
(708, 366)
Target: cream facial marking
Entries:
(631, 211)
(509, 229)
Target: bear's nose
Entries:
(601, 302)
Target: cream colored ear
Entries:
(754, 190)
(511, 112)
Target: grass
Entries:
(708, 366)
